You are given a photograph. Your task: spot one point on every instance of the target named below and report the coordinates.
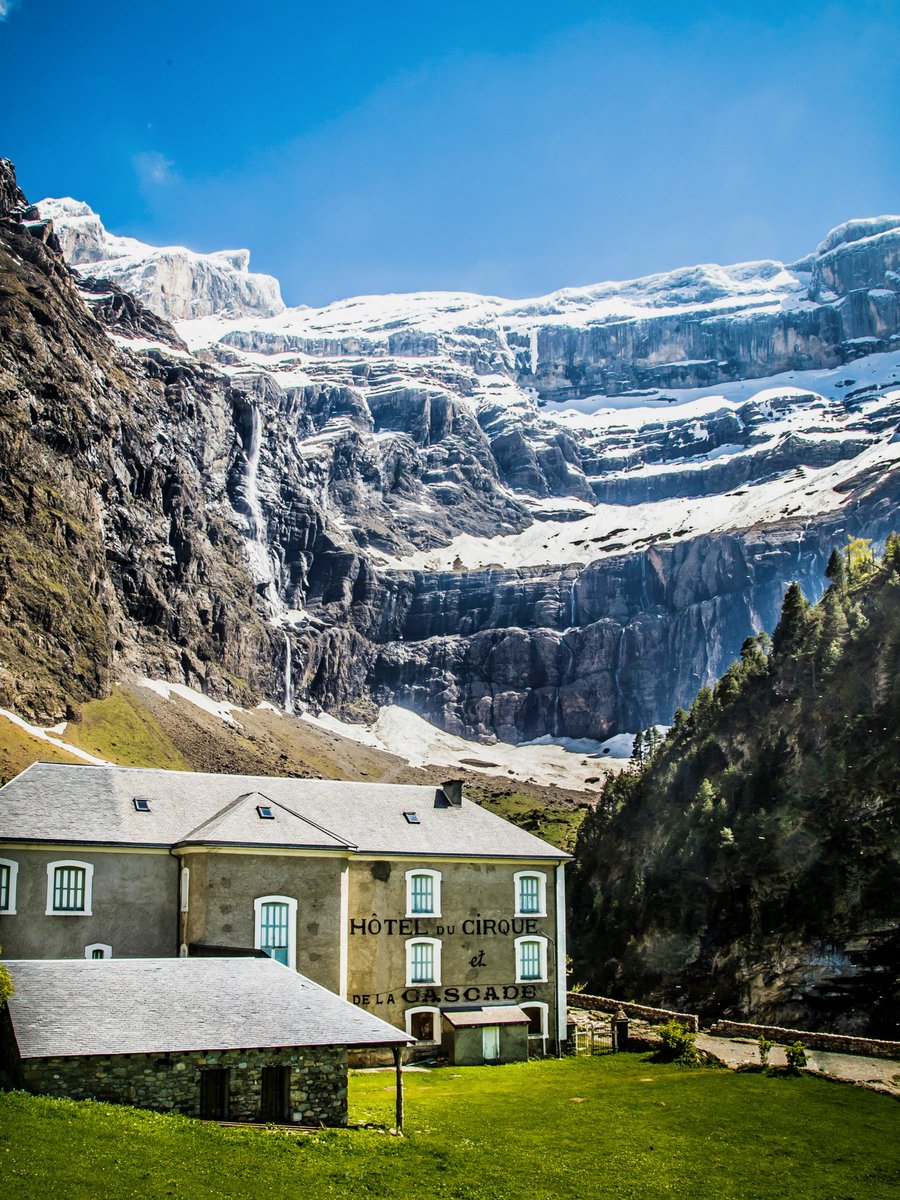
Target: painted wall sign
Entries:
(447, 995)
(423, 927)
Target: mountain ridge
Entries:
(283, 518)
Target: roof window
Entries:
(412, 818)
(265, 812)
(141, 804)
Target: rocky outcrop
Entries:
(173, 281)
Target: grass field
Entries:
(616, 1126)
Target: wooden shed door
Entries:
(276, 1094)
(490, 1042)
(214, 1093)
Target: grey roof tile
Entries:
(78, 1007)
(61, 802)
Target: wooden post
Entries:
(398, 1067)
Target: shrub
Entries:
(796, 1058)
(678, 1043)
(6, 985)
(764, 1047)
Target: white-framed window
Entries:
(531, 960)
(423, 961)
(9, 875)
(424, 1023)
(423, 893)
(538, 1014)
(275, 921)
(531, 893)
(98, 950)
(69, 888)
(185, 888)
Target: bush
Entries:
(796, 1058)
(6, 985)
(764, 1047)
(678, 1044)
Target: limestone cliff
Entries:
(426, 499)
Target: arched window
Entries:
(531, 893)
(424, 1023)
(98, 950)
(537, 1016)
(276, 928)
(531, 960)
(9, 874)
(69, 887)
(423, 961)
(423, 893)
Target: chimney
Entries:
(452, 789)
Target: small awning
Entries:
(506, 1014)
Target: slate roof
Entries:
(506, 1014)
(61, 802)
(79, 1007)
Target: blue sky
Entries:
(502, 147)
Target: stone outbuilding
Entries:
(240, 1039)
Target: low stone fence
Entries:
(838, 1043)
(640, 1012)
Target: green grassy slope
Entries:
(581, 1128)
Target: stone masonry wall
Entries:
(171, 1082)
(835, 1042)
(640, 1011)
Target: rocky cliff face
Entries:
(426, 498)
(173, 281)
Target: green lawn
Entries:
(587, 1128)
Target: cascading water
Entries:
(257, 547)
(288, 679)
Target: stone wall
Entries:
(837, 1043)
(639, 1011)
(171, 1082)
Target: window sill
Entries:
(53, 912)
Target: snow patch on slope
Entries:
(558, 763)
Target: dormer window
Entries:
(141, 804)
(264, 811)
(412, 818)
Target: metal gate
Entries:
(593, 1041)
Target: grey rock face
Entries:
(401, 496)
(172, 281)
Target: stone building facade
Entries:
(316, 1082)
(227, 1039)
(408, 901)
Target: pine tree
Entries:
(637, 750)
(792, 623)
(834, 572)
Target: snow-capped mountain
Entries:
(172, 281)
(554, 517)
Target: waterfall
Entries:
(533, 343)
(257, 548)
(288, 680)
